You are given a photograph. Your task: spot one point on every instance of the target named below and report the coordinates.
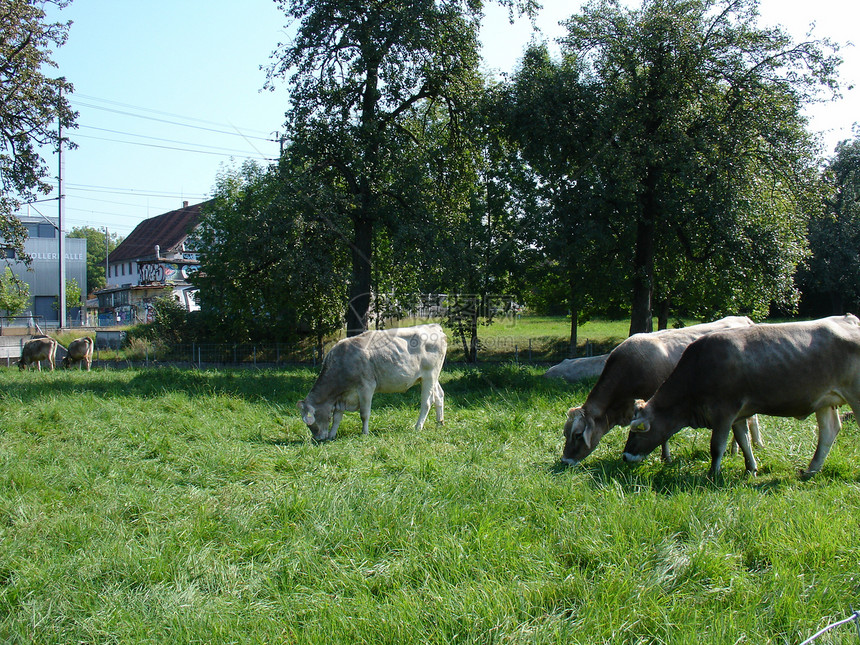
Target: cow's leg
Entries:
(828, 427)
(439, 403)
(742, 439)
(336, 416)
(665, 454)
(364, 400)
(428, 393)
(755, 431)
(719, 438)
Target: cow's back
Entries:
(391, 360)
(400, 357)
(784, 369)
(639, 365)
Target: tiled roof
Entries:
(168, 231)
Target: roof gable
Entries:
(168, 231)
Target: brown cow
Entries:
(37, 350)
(80, 351)
(782, 370)
(634, 370)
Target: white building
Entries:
(153, 261)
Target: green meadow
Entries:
(184, 506)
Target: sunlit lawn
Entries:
(170, 506)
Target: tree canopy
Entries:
(99, 245)
(686, 156)
(831, 276)
(31, 105)
(362, 75)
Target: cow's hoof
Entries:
(807, 474)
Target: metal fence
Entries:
(508, 349)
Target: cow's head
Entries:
(67, 360)
(22, 365)
(317, 418)
(582, 432)
(644, 434)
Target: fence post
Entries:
(516, 354)
(530, 350)
(255, 356)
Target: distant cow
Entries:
(392, 360)
(782, 370)
(634, 370)
(578, 369)
(80, 351)
(37, 350)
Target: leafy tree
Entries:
(271, 263)
(14, 293)
(31, 104)
(551, 112)
(830, 278)
(695, 167)
(96, 253)
(358, 71)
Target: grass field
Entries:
(170, 506)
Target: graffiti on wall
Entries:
(158, 272)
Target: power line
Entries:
(177, 116)
(185, 143)
(184, 125)
(154, 145)
(161, 194)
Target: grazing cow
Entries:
(37, 350)
(392, 360)
(782, 370)
(634, 370)
(80, 351)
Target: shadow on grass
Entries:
(274, 386)
(681, 475)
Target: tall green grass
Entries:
(170, 506)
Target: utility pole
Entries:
(61, 229)
(107, 253)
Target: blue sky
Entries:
(171, 91)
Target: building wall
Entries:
(44, 276)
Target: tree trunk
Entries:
(361, 280)
(643, 257)
(574, 317)
(663, 314)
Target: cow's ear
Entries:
(640, 425)
(586, 434)
(573, 413)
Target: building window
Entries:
(35, 229)
(123, 268)
(8, 253)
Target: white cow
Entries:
(392, 360)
